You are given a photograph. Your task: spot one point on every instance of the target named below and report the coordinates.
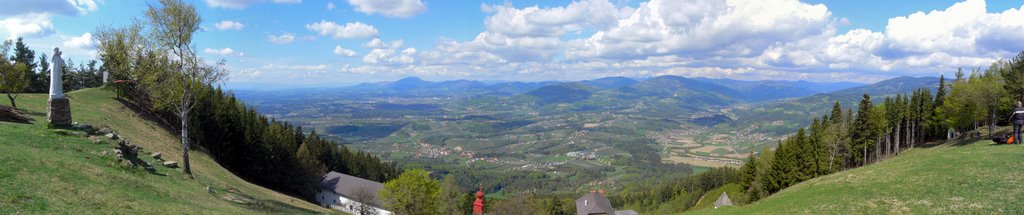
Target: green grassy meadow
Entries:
(54, 171)
(960, 177)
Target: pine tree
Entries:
(862, 133)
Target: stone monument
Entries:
(58, 112)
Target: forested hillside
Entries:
(845, 140)
(262, 150)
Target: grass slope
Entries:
(709, 198)
(965, 177)
(45, 172)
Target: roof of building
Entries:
(348, 186)
(626, 212)
(594, 203)
(723, 200)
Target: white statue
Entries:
(57, 65)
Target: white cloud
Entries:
(29, 25)
(965, 28)
(229, 25)
(390, 56)
(224, 51)
(330, 6)
(241, 4)
(550, 22)
(84, 6)
(282, 39)
(963, 35)
(378, 44)
(392, 8)
(338, 50)
(352, 30)
(81, 42)
(704, 28)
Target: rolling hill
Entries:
(561, 93)
(795, 113)
(956, 177)
(609, 82)
(56, 171)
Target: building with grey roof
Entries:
(350, 194)
(594, 203)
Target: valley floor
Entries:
(45, 172)
(960, 177)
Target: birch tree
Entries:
(173, 23)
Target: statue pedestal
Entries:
(58, 112)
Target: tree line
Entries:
(21, 73)
(874, 132)
(679, 194)
(264, 151)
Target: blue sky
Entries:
(342, 42)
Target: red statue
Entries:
(478, 204)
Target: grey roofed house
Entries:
(723, 200)
(627, 212)
(347, 186)
(594, 204)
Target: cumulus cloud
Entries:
(965, 28)
(704, 28)
(392, 8)
(285, 38)
(376, 43)
(338, 50)
(352, 30)
(85, 41)
(241, 4)
(330, 6)
(29, 25)
(550, 22)
(390, 56)
(223, 51)
(963, 35)
(229, 25)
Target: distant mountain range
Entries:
(799, 112)
(727, 90)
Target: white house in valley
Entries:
(344, 192)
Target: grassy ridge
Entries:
(42, 171)
(965, 177)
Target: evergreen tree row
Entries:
(847, 139)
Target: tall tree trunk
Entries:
(13, 105)
(907, 135)
(878, 148)
(991, 122)
(832, 158)
(889, 144)
(896, 139)
(186, 168)
(184, 145)
(913, 133)
(864, 162)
